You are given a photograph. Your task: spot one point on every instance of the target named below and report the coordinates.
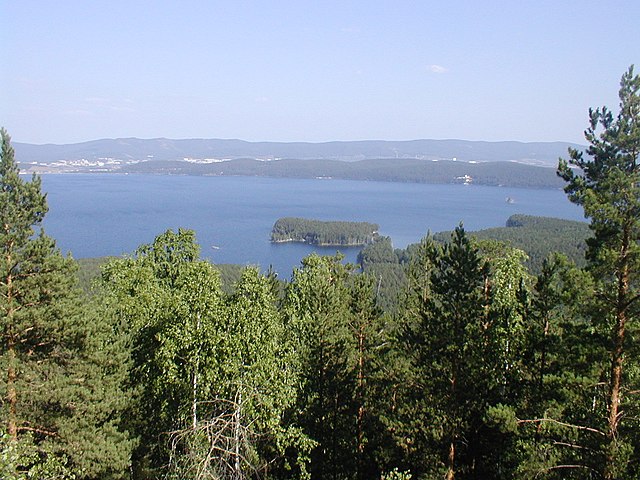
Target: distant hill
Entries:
(510, 174)
(164, 149)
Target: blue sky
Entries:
(311, 70)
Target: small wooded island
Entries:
(323, 233)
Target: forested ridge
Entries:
(482, 369)
(383, 170)
(165, 149)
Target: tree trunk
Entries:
(361, 409)
(451, 460)
(616, 373)
(12, 394)
(543, 368)
(617, 356)
(194, 400)
(236, 440)
(451, 457)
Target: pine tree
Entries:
(560, 386)
(55, 382)
(460, 342)
(446, 343)
(366, 327)
(338, 329)
(317, 307)
(607, 185)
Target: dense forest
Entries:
(536, 237)
(317, 232)
(484, 368)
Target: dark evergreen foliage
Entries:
(61, 391)
(607, 185)
(316, 232)
(538, 237)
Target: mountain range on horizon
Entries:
(164, 149)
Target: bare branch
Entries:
(37, 430)
(578, 427)
(558, 467)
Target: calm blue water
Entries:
(98, 215)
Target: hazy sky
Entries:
(314, 71)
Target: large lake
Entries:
(107, 214)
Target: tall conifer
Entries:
(606, 183)
(55, 382)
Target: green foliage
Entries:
(607, 185)
(379, 251)
(265, 372)
(230, 274)
(390, 280)
(482, 371)
(23, 459)
(243, 431)
(381, 262)
(443, 315)
(169, 305)
(316, 232)
(317, 308)
(89, 272)
(558, 382)
(396, 474)
(539, 237)
(60, 391)
(211, 375)
(338, 329)
(459, 340)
